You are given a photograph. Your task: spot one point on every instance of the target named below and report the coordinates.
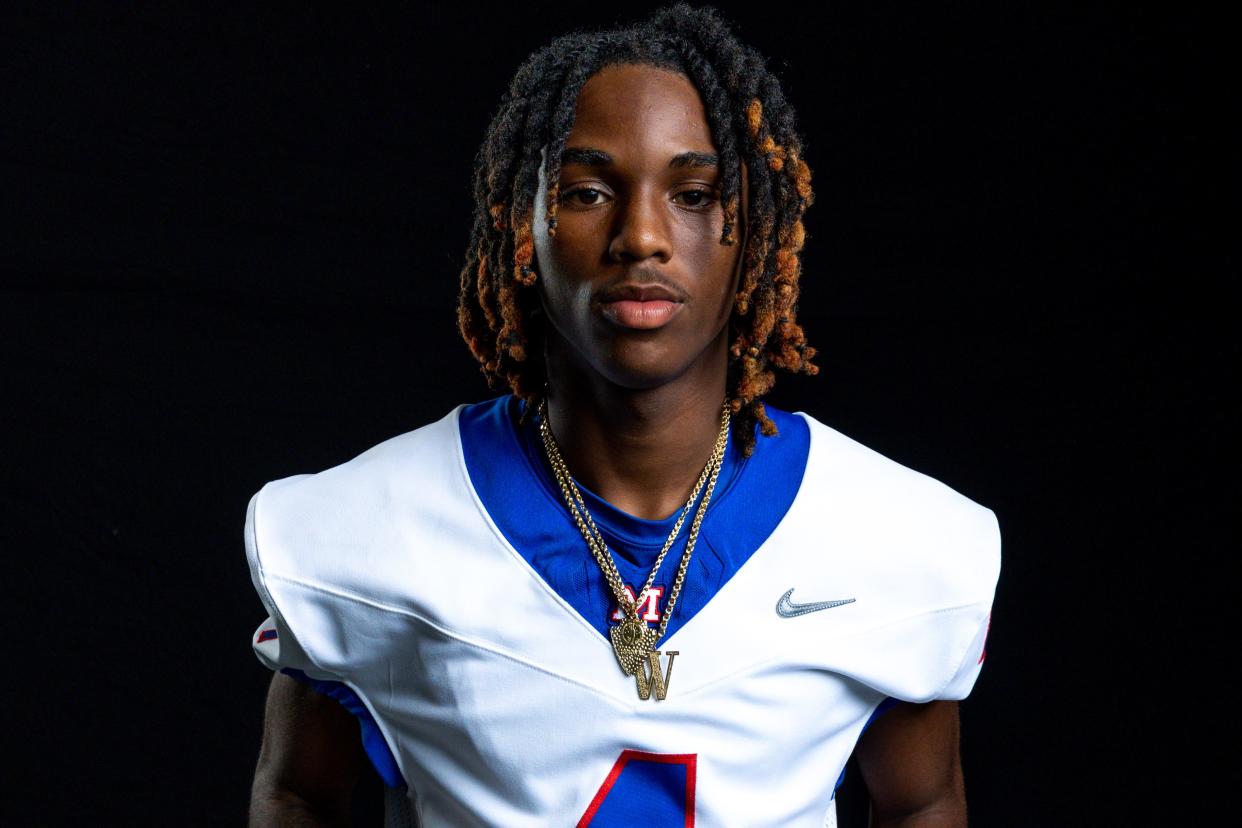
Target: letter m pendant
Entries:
(650, 675)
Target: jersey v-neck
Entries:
(511, 476)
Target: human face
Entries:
(636, 284)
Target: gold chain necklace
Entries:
(632, 640)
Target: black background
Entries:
(231, 255)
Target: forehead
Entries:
(640, 105)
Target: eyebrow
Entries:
(585, 157)
(590, 157)
(695, 159)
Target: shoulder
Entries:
(882, 482)
(311, 523)
(942, 542)
(398, 461)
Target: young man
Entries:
(625, 592)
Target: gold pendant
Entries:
(634, 643)
(650, 676)
(632, 640)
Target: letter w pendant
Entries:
(649, 674)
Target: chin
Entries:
(636, 361)
(642, 365)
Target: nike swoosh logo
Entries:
(788, 609)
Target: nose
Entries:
(640, 230)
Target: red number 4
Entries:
(653, 788)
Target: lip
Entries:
(643, 316)
(640, 307)
(638, 293)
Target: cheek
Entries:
(575, 253)
(697, 240)
(576, 259)
(717, 264)
(565, 266)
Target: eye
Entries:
(583, 197)
(695, 198)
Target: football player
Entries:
(624, 592)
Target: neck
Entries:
(640, 449)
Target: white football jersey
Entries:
(393, 585)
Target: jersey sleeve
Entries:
(277, 647)
(963, 678)
(928, 642)
(985, 561)
(962, 630)
(275, 644)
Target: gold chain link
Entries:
(595, 540)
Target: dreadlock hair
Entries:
(749, 119)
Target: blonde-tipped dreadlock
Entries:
(750, 121)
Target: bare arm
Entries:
(911, 763)
(310, 761)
